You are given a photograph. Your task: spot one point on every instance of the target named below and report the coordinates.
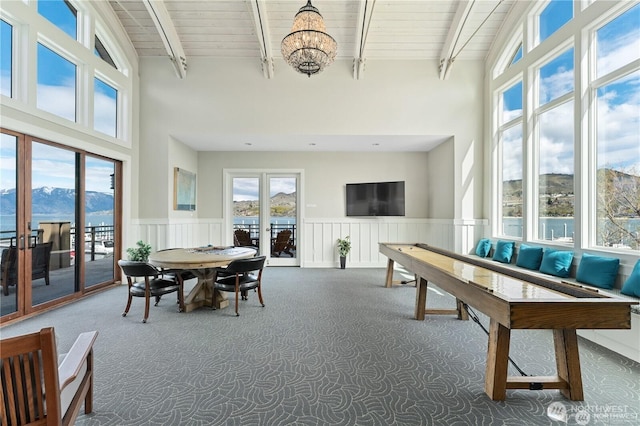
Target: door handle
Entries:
(21, 242)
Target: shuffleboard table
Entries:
(512, 303)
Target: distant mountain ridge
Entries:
(556, 195)
(282, 205)
(48, 200)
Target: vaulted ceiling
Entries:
(443, 30)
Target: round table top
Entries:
(199, 257)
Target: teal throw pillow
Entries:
(484, 247)
(556, 262)
(504, 251)
(598, 271)
(631, 286)
(529, 257)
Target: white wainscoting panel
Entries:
(317, 243)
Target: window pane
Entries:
(512, 182)
(102, 52)
(6, 58)
(246, 211)
(512, 103)
(61, 13)
(53, 215)
(8, 217)
(105, 108)
(618, 164)
(555, 15)
(618, 42)
(556, 77)
(517, 56)
(98, 221)
(555, 174)
(56, 84)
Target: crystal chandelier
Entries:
(308, 48)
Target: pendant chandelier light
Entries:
(308, 48)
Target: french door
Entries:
(263, 210)
(57, 224)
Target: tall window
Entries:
(617, 93)
(511, 144)
(599, 127)
(554, 115)
(6, 58)
(56, 84)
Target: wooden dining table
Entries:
(203, 262)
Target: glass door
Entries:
(246, 211)
(269, 223)
(282, 219)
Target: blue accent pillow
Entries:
(504, 251)
(598, 271)
(484, 247)
(529, 257)
(631, 286)
(556, 262)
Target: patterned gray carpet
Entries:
(331, 347)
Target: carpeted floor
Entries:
(331, 347)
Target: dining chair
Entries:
(155, 284)
(29, 367)
(239, 277)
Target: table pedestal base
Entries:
(201, 296)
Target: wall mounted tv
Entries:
(375, 199)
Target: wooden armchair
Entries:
(282, 244)
(40, 261)
(29, 368)
(242, 238)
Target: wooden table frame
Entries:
(204, 263)
(562, 308)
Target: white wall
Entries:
(231, 97)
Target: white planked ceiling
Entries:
(364, 29)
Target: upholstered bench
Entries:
(625, 342)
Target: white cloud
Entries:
(104, 110)
(556, 140)
(58, 100)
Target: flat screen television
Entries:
(375, 199)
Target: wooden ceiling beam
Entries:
(453, 36)
(365, 12)
(167, 31)
(258, 10)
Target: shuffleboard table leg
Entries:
(568, 363)
(495, 381)
(421, 298)
(462, 312)
(389, 282)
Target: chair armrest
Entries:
(72, 363)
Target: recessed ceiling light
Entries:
(248, 143)
(375, 144)
(312, 144)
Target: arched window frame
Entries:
(31, 28)
(588, 17)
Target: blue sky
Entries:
(618, 103)
(248, 188)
